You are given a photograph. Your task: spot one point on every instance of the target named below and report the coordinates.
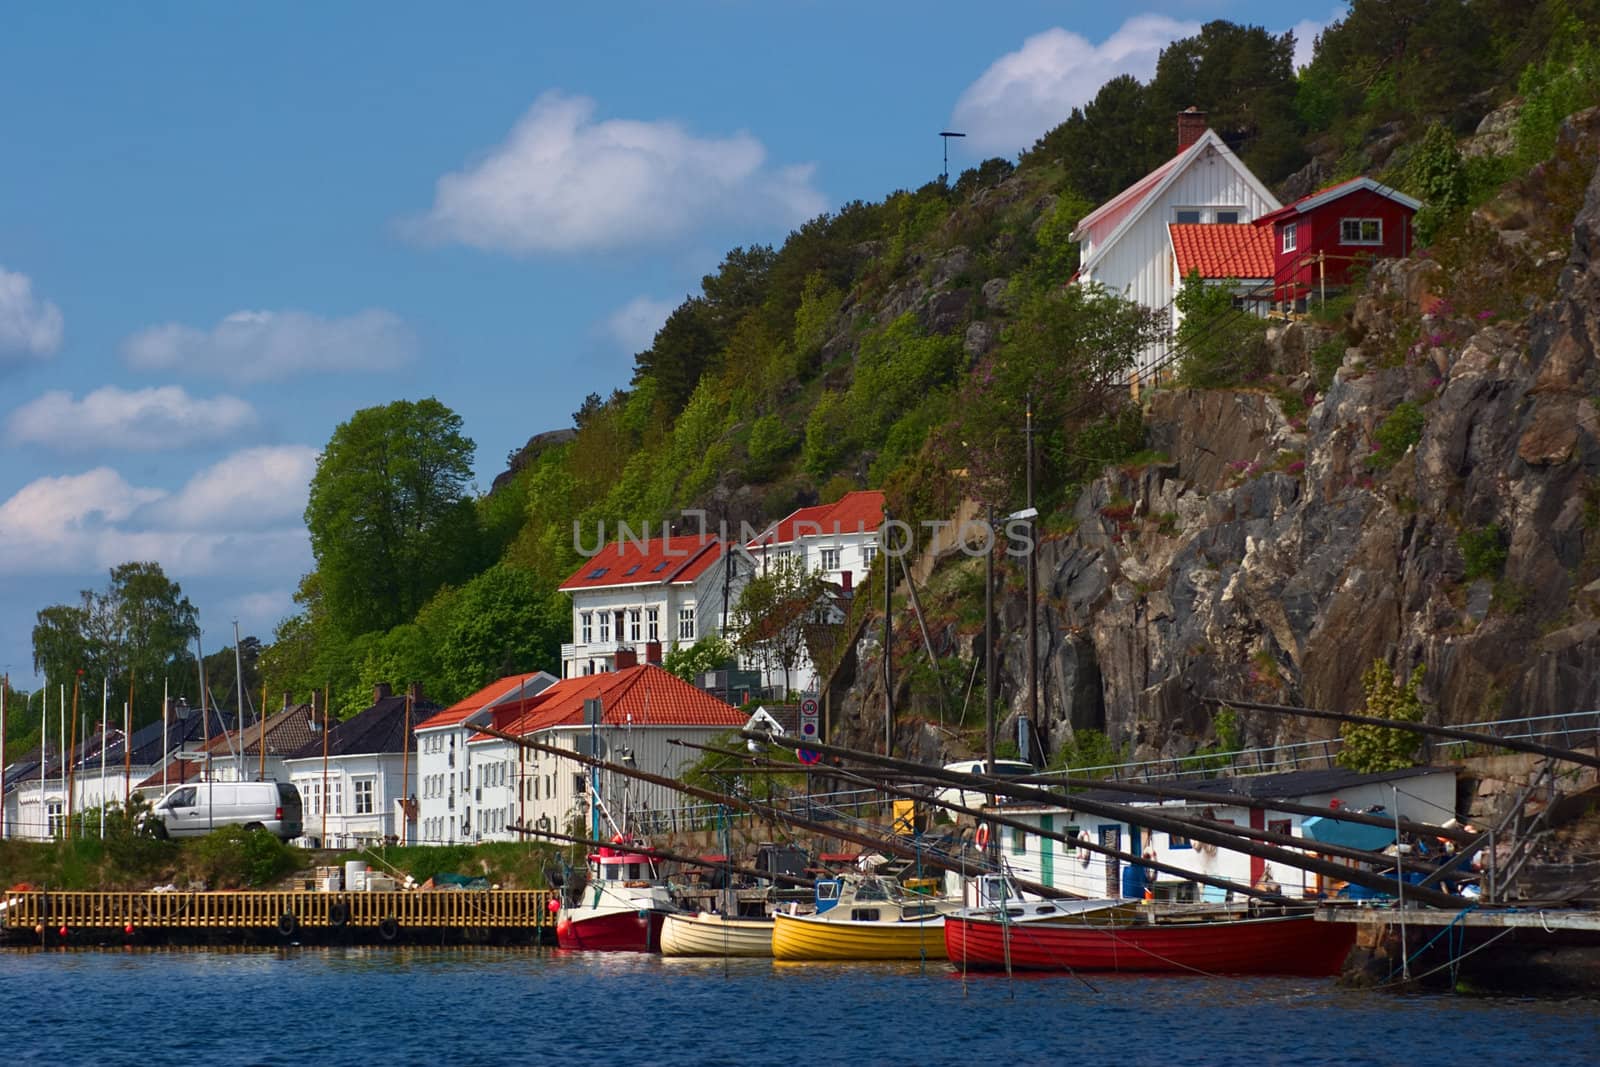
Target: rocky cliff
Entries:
(1436, 506)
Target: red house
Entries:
(1318, 240)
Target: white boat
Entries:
(711, 934)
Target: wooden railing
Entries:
(453, 909)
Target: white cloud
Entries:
(1026, 93)
(258, 346)
(240, 516)
(143, 420)
(1305, 36)
(563, 182)
(634, 325)
(28, 326)
(249, 489)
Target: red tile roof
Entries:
(661, 561)
(494, 693)
(857, 512)
(644, 695)
(1222, 250)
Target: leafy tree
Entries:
(770, 443)
(1368, 748)
(774, 612)
(389, 516)
(690, 661)
(501, 623)
(1108, 144)
(684, 348)
(1221, 344)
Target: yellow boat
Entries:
(863, 919)
(815, 937)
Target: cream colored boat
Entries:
(710, 934)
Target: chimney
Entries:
(381, 691)
(625, 658)
(288, 700)
(652, 652)
(847, 580)
(1191, 126)
(414, 691)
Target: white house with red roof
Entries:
(635, 598)
(447, 779)
(1126, 244)
(642, 710)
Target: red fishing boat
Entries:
(620, 909)
(1280, 944)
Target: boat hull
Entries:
(633, 930)
(806, 937)
(716, 935)
(1290, 945)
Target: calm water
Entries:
(338, 1007)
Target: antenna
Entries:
(947, 134)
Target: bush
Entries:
(235, 858)
(1326, 359)
(1483, 551)
(1399, 432)
(770, 443)
(1221, 345)
(1368, 748)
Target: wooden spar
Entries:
(764, 811)
(1077, 842)
(979, 783)
(1143, 817)
(1514, 744)
(673, 857)
(1360, 855)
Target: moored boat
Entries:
(621, 909)
(1280, 944)
(863, 919)
(712, 934)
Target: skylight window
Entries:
(630, 570)
(659, 567)
(598, 572)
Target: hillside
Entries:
(890, 344)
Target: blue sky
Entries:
(223, 230)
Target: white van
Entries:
(968, 798)
(192, 810)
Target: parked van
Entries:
(192, 810)
(1003, 768)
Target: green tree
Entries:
(500, 623)
(774, 612)
(1220, 344)
(389, 515)
(1369, 749)
(690, 661)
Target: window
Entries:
(605, 627)
(1069, 847)
(1019, 840)
(633, 624)
(652, 618)
(686, 623)
(585, 627)
(869, 553)
(365, 791)
(598, 572)
(335, 798)
(1178, 841)
(830, 559)
(55, 818)
(578, 784)
(1187, 215)
(1228, 217)
(1290, 231)
(1361, 231)
(631, 569)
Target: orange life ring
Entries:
(982, 838)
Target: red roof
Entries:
(661, 561)
(857, 512)
(493, 693)
(1222, 250)
(1105, 218)
(1333, 192)
(644, 695)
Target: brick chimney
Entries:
(1191, 126)
(625, 658)
(847, 580)
(652, 652)
(414, 690)
(381, 691)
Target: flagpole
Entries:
(61, 717)
(5, 690)
(44, 749)
(238, 688)
(72, 770)
(165, 707)
(324, 800)
(105, 695)
(127, 755)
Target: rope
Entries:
(1450, 926)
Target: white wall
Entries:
(345, 825)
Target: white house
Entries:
(645, 595)
(642, 710)
(448, 780)
(1125, 244)
(285, 733)
(1237, 256)
(1425, 794)
(838, 541)
(365, 789)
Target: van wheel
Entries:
(158, 829)
(254, 826)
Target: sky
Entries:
(225, 228)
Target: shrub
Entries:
(233, 858)
(1221, 345)
(1483, 551)
(1399, 432)
(1368, 748)
(770, 442)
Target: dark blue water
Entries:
(338, 1007)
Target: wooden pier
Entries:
(48, 917)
